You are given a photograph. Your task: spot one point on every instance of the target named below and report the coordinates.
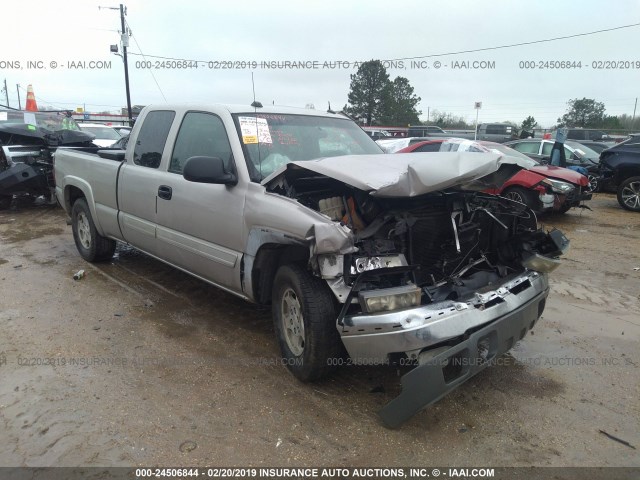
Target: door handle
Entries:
(164, 191)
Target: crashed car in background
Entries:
(28, 141)
(543, 188)
(577, 155)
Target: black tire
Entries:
(92, 246)
(5, 201)
(564, 208)
(629, 194)
(522, 195)
(319, 348)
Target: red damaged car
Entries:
(543, 188)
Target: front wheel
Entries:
(92, 246)
(304, 317)
(522, 195)
(629, 194)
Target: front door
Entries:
(199, 225)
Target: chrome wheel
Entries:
(593, 184)
(84, 230)
(293, 322)
(630, 195)
(514, 195)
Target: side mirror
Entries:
(207, 170)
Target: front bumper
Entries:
(444, 372)
(581, 197)
(371, 338)
(574, 199)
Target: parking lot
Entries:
(139, 364)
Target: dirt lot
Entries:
(139, 364)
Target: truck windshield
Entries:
(273, 140)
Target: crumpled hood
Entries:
(389, 175)
(561, 173)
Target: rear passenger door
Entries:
(139, 179)
(200, 224)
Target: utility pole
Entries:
(18, 90)
(428, 109)
(634, 110)
(125, 44)
(124, 38)
(6, 92)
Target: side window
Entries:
(546, 148)
(496, 129)
(428, 147)
(576, 134)
(201, 134)
(152, 138)
(595, 135)
(568, 153)
(527, 147)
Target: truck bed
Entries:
(97, 177)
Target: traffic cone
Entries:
(31, 100)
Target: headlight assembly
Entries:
(557, 186)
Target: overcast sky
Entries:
(331, 31)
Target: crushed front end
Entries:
(27, 156)
(443, 281)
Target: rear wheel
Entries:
(92, 246)
(522, 195)
(304, 317)
(629, 194)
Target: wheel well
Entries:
(268, 259)
(627, 172)
(71, 194)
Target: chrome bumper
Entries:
(370, 338)
(444, 372)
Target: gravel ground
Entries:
(139, 364)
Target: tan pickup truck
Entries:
(365, 258)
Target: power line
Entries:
(143, 56)
(510, 45)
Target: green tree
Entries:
(628, 122)
(610, 122)
(449, 120)
(399, 104)
(368, 89)
(585, 112)
(528, 124)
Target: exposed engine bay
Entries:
(445, 245)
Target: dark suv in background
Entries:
(578, 134)
(620, 171)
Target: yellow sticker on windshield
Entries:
(249, 139)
